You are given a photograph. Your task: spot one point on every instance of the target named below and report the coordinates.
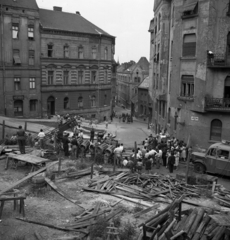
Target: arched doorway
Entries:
(51, 106)
(18, 108)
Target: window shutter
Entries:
(189, 45)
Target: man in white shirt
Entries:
(41, 137)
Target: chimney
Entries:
(59, 9)
(78, 13)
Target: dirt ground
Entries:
(46, 206)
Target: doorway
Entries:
(51, 106)
(228, 49)
(18, 108)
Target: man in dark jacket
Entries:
(21, 136)
(65, 142)
(92, 133)
(171, 162)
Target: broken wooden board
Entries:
(27, 178)
(59, 191)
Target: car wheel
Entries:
(199, 168)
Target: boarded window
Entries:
(187, 86)
(31, 57)
(189, 45)
(216, 130)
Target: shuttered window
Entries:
(189, 45)
(216, 130)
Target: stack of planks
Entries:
(195, 224)
(154, 187)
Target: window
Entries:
(157, 82)
(156, 26)
(159, 22)
(80, 52)
(189, 45)
(66, 77)
(31, 57)
(190, 9)
(15, 31)
(216, 130)
(17, 84)
(66, 103)
(228, 43)
(66, 51)
(93, 101)
(31, 33)
(187, 86)
(212, 152)
(33, 105)
(105, 76)
(93, 76)
(50, 50)
(94, 52)
(169, 115)
(16, 57)
(32, 83)
(50, 77)
(224, 154)
(105, 100)
(80, 77)
(80, 102)
(106, 53)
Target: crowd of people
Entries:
(126, 118)
(155, 152)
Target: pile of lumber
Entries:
(198, 223)
(154, 187)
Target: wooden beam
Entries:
(26, 178)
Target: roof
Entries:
(143, 63)
(221, 146)
(29, 4)
(144, 83)
(57, 20)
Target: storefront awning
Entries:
(190, 5)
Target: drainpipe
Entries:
(3, 60)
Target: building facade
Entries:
(76, 61)
(53, 62)
(198, 69)
(144, 100)
(20, 59)
(128, 79)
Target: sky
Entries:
(127, 20)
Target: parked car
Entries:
(215, 160)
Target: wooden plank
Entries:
(49, 225)
(27, 158)
(26, 178)
(59, 191)
(146, 210)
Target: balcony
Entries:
(217, 104)
(217, 61)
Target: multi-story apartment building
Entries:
(53, 62)
(129, 76)
(144, 100)
(198, 68)
(76, 61)
(20, 59)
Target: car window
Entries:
(212, 152)
(222, 154)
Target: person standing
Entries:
(92, 133)
(171, 162)
(21, 137)
(41, 137)
(65, 142)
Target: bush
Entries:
(99, 230)
(128, 232)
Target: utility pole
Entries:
(3, 60)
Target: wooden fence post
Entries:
(3, 130)
(25, 127)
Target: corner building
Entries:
(20, 59)
(198, 89)
(76, 59)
